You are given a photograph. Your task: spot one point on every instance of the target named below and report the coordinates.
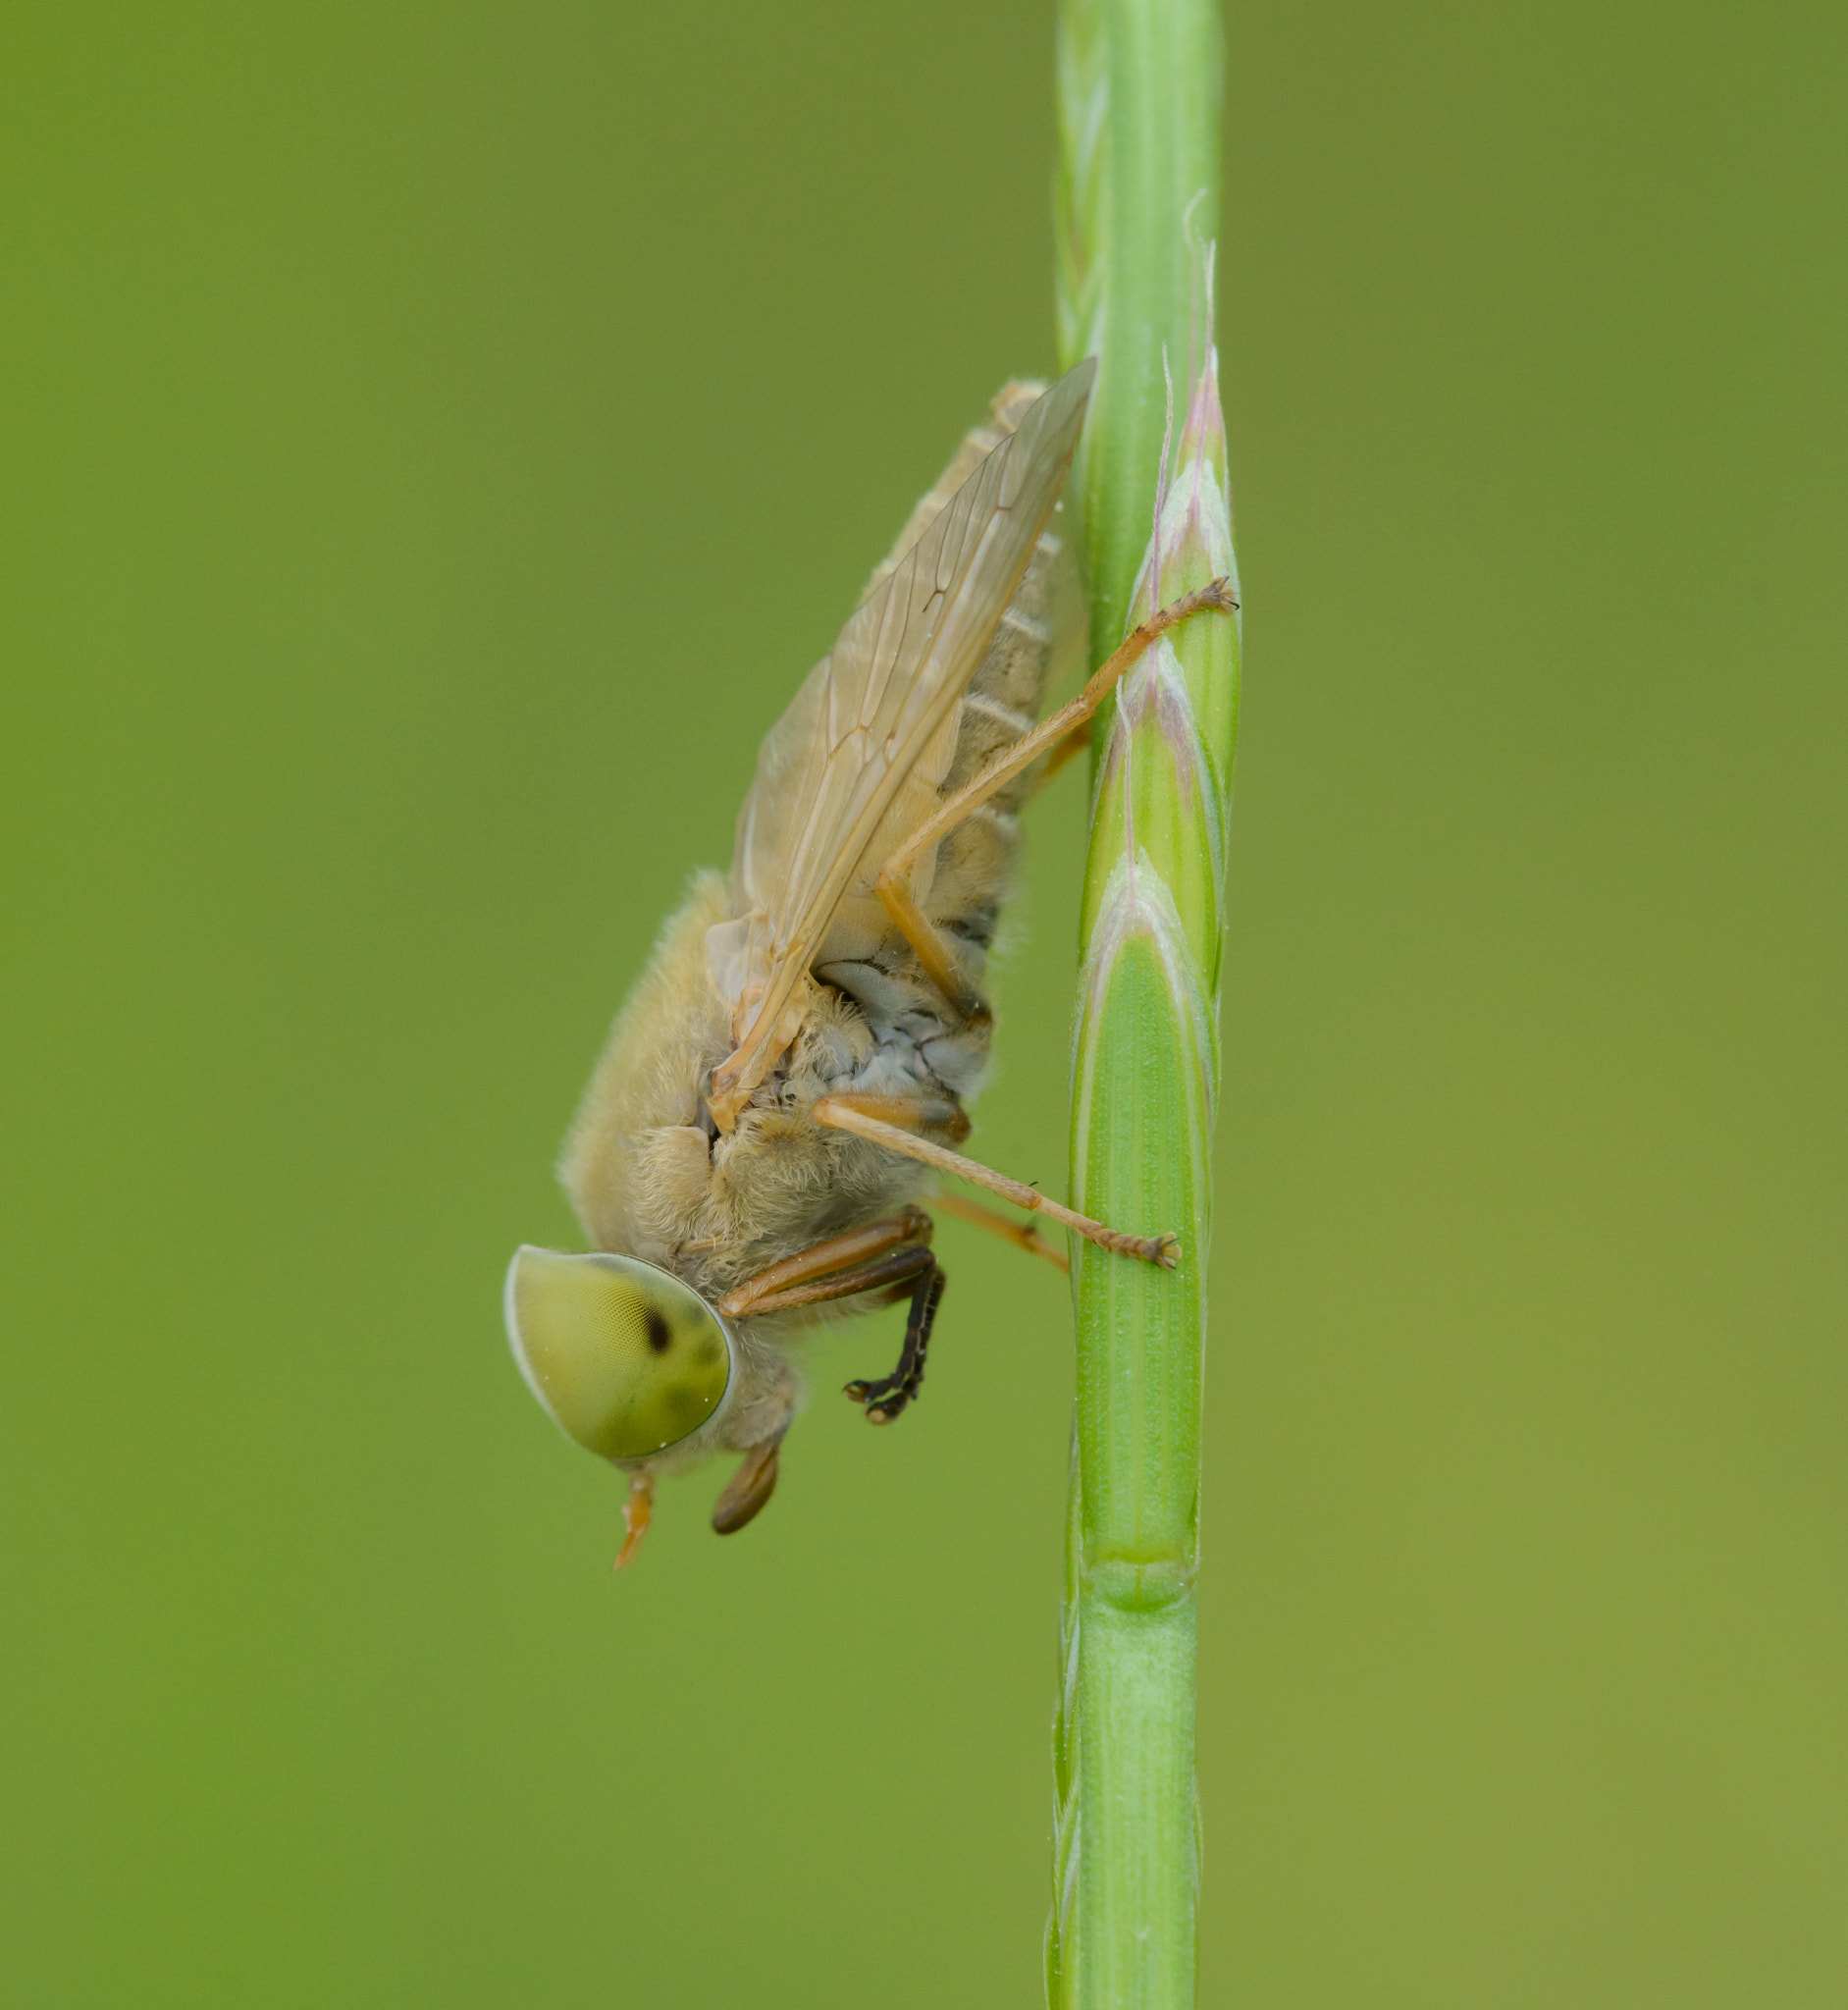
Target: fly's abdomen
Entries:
(970, 880)
(1003, 700)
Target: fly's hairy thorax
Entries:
(650, 1176)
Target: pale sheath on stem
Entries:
(1137, 190)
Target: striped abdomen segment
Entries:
(1002, 702)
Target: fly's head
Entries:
(622, 1355)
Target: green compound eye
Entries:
(623, 1358)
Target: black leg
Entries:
(885, 1399)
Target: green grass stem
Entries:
(1136, 207)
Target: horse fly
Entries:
(792, 1070)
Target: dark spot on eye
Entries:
(659, 1339)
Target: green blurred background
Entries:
(435, 440)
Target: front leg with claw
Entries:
(887, 1398)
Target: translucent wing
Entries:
(848, 772)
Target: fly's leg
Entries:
(882, 1274)
(1063, 752)
(882, 1255)
(1022, 1234)
(836, 1268)
(839, 1115)
(843, 1267)
(893, 885)
(909, 1272)
(886, 1399)
(926, 938)
(911, 1112)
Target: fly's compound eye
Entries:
(622, 1355)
